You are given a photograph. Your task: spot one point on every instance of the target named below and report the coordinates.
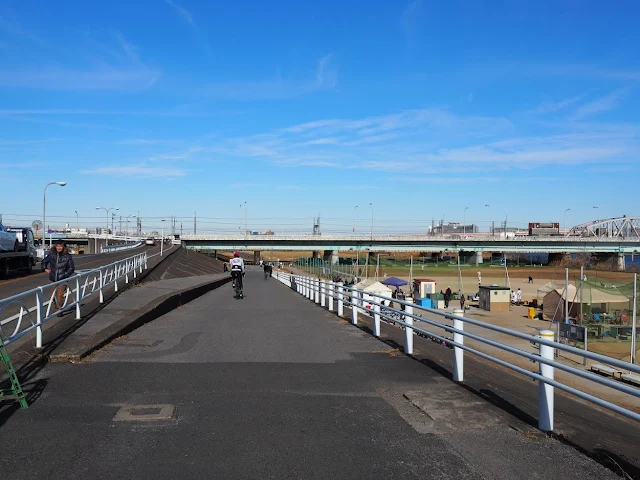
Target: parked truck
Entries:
(24, 257)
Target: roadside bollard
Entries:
(340, 299)
(307, 287)
(354, 307)
(316, 288)
(323, 297)
(545, 391)
(376, 318)
(408, 331)
(458, 353)
(331, 294)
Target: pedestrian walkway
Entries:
(267, 387)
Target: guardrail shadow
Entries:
(605, 457)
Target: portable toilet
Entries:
(423, 287)
(494, 298)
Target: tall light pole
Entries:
(565, 220)
(107, 232)
(77, 222)
(489, 207)
(240, 218)
(127, 223)
(245, 219)
(371, 205)
(44, 212)
(162, 238)
(464, 222)
(598, 213)
(354, 219)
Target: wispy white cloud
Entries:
(552, 107)
(326, 78)
(432, 141)
(55, 78)
(177, 155)
(183, 12)
(83, 64)
(603, 104)
(410, 15)
(137, 170)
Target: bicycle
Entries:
(237, 284)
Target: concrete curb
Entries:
(76, 351)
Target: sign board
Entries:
(37, 225)
(572, 332)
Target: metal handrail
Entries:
(319, 290)
(75, 289)
(120, 247)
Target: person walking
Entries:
(519, 297)
(447, 297)
(461, 301)
(59, 265)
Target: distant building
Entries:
(453, 229)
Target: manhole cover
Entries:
(144, 413)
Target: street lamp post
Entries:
(44, 212)
(489, 207)
(245, 220)
(371, 205)
(354, 219)
(77, 223)
(162, 238)
(598, 213)
(106, 236)
(464, 222)
(565, 220)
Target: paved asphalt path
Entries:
(267, 387)
(19, 282)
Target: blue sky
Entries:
(422, 108)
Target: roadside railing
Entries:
(120, 247)
(27, 312)
(438, 324)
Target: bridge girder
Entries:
(621, 227)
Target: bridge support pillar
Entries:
(256, 256)
(331, 256)
(315, 254)
(613, 260)
(435, 256)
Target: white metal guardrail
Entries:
(37, 306)
(325, 293)
(120, 247)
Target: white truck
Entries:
(24, 255)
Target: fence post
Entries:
(408, 331)
(307, 287)
(316, 287)
(78, 297)
(40, 307)
(101, 286)
(354, 308)
(545, 391)
(376, 317)
(331, 295)
(323, 297)
(458, 353)
(340, 299)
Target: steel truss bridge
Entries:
(627, 228)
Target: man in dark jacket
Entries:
(59, 265)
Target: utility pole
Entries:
(195, 229)
(180, 229)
